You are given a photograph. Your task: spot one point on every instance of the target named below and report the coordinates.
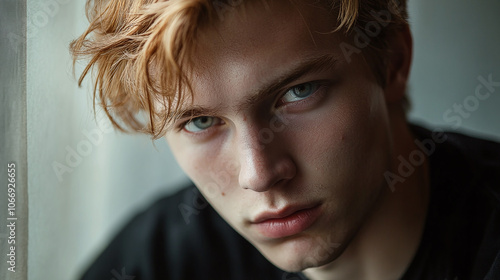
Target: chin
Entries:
(301, 253)
(299, 262)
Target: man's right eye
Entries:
(201, 123)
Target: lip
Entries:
(287, 221)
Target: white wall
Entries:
(74, 213)
(13, 144)
(455, 43)
(70, 219)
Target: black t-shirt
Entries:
(181, 237)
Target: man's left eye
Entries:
(300, 92)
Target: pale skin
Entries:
(334, 132)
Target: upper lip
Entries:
(281, 213)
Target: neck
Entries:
(386, 244)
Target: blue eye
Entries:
(300, 92)
(201, 123)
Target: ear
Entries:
(400, 51)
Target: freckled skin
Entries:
(333, 150)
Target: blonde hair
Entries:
(140, 52)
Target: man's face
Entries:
(289, 141)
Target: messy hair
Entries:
(139, 51)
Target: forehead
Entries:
(255, 42)
(264, 19)
(262, 28)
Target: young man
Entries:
(289, 117)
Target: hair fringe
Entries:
(139, 54)
(347, 14)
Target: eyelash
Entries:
(319, 84)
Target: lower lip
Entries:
(289, 225)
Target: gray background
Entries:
(45, 116)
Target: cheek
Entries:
(211, 171)
(346, 142)
(349, 123)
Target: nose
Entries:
(263, 166)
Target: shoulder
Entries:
(464, 157)
(179, 237)
(464, 214)
(482, 156)
(481, 160)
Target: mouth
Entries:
(286, 222)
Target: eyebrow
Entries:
(311, 65)
(314, 64)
